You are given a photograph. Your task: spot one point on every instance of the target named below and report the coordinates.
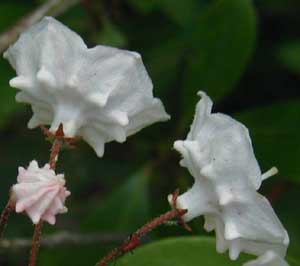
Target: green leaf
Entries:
(289, 56)
(125, 209)
(210, 54)
(222, 41)
(275, 137)
(71, 255)
(182, 251)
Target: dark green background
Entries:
(245, 54)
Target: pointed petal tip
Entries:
(99, 150)
(167, 117)
(63, 210)
(136, 55)
(170, 199)
(33, 122)
(119, 134)
(71, 128)
(98, 147)
(34, 164)
(46, 77)
(21, 169)
(182, 163)
(273, 171)
(178, 145)
(158, 105)
(21, 83)
(52, 220)
(234, 253)
(5, 54)
(231, 233)
(202, 94)
(35, 218)
(19, 208)
(119, 117)
(98, 99)
(286, 240)
(205, 101)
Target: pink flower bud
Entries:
(40, 193)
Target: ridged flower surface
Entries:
(270, 258)
(219, 155)
(102, 94)
(40, 193)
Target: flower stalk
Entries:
(36, 243)
(9, 208)
(58, 142)
(134, 240)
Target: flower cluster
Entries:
(104, 94)
(101, 94)
(218, 153)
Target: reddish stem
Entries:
(112, 255)
(158, 221)
(9, 208)
(134, 240)
(180, 219)
(35, 244)
(55, 149)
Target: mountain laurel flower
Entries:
(40, 193)
(270, 258)
(102, 93)
(218, 154)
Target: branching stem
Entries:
(54, 152)
(35, 243)
(9, 208)
(135, 239)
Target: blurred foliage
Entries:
(289, 55)
(187, 251)
(131, 201)
(245, 54)
(268, 133)
(9, 13)
(8, 105)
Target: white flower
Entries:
(101, 94)
(218, 153)
(270, 258)
(40, 193)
